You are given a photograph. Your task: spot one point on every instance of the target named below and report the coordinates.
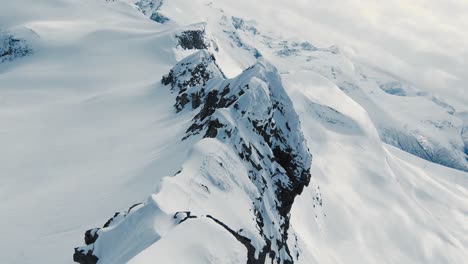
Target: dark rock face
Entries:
(192, 39)
(12, 48)
(91, 236)
(84, 257)
(183, 216)
(193, 72)
(279, 159)
(109, 222)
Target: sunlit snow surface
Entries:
(88, 130)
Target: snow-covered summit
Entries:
(248, 149)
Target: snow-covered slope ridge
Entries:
(249, 156)
(406, 116)
(202, 123)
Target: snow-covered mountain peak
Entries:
(204, 117)
(256, 133)
(196, 69)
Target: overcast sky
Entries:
(423, 41)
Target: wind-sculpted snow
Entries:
(249, 146)
(89, 128)
(333, 119)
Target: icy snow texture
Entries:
(88, 130)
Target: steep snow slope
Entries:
(249, 155)
(84, 126)
(407, 116)
(381, 205)
(91, 130)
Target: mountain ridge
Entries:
(273, 151)
(214, 164)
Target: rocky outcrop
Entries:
(253, 117)
(84, 256)
(12, 47)
(278, 158)
(196, 37)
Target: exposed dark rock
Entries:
(183, 216)
(212, 128)
(91, 236)
(107, 224)
(168, 79)
(133, 206)
(192, 39)
(196, 99)
(181, 101)
(193, 72)
(292, 161)
(12, 47)
(84, 256)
